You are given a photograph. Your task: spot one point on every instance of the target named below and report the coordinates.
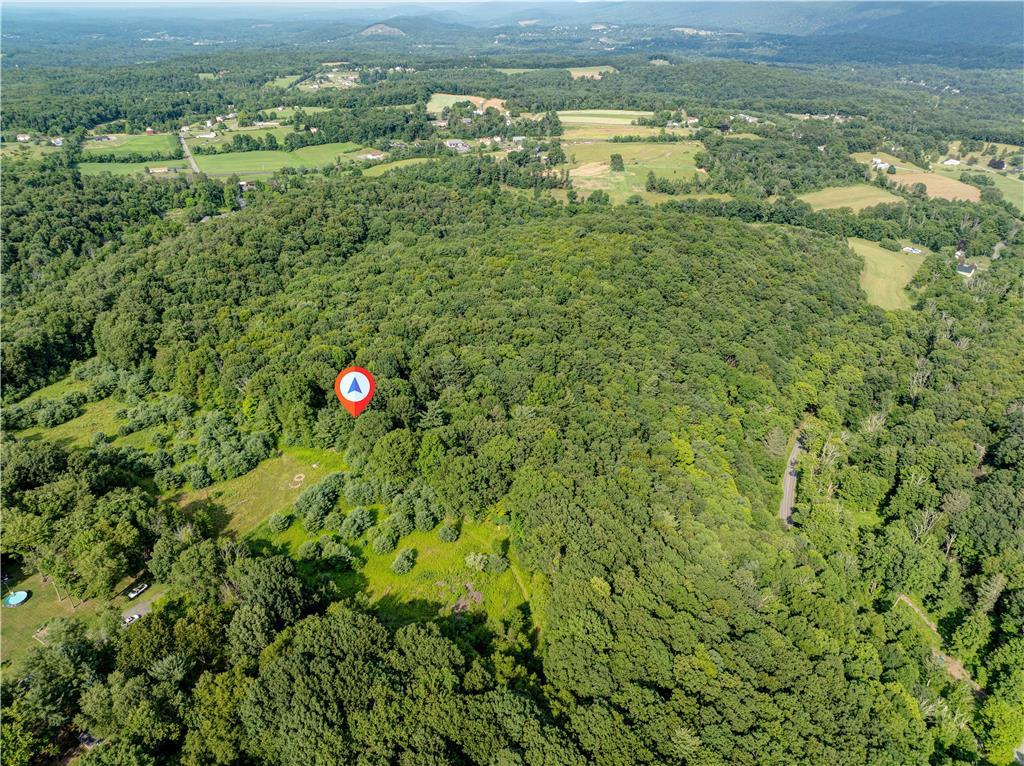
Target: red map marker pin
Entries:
(354, 388)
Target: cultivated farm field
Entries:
(939, 185)
(263, 162)
(590, 165)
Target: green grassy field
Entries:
(124, 144)
(132, 168)
(590, 71)
(886, 274)
(247, 501)
(590, 167)
(11, 150)
(439, 101)
(1011, 186)
(384, 167)
(284, 82)
(856, 197)
(902, 166)
(437, 581)
(515, 70)
(207, 76)
(226, 136)
(613, 117)
(267, 162)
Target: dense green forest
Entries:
(593, 401)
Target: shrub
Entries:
(335, 551)
(890, 244)
(358, 492)
(385, 540)
(316, 501)
(487, 562)
(404, 561)
(279, 522)
(309, 550)
(168, 480)
(197, 475)
(357, 522)
(426, 519)
(449, 532)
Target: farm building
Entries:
(372, 156)
(912, 250)
(23, 137)
(211, 134)
(966, 269)
(878, 164)
(57, 141)
(951, 161)
(150, 132)
(439, 123)
(158, 171)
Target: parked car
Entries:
(129, 619)
(134, 592)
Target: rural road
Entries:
(789, 484)
(188, 154)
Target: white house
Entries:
(458, 145)
(912, 250)
(57, 141)
(23, 137)
(877, 164)
(951, 161)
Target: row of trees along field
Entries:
(617, 386)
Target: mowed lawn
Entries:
(248, 500)
(886, 274)
(123, 144)
(589, 132)
(284, 82)
(269, 161)
(590, 166)
(613, 117)
(902, 166)
(855, 197)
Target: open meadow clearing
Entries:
(590, 165)
(441, 101)
(1011, 186)
(440, 582)
(856, 197)
(383, 167)
(226, 136)
(886, 274)
(613, 117)
(134, 168)
(593, 72)
(264, 162)
(243, 503)
(587, 131)
(939, 185)
(282, 83)
(124, 144)
(902, 166)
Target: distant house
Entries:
(211, 134)
(951, 161)
(185, 129)
(373, 156)
(244, 186)
(397, 144)
(439, 123)
(518, 139)
(314, 131)
(457, 145)
(467, 121)
(219, 118)
(692, 120)
(155, 171)
(150, 131)
(23, 137)
(673, 124)
(269, 124)
(209, 123)
(966, 269)
(57, 141)
(99, 138)
(912, 250)
(878, 164)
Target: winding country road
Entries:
(789, 484)
(188, 154)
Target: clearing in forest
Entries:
(593, 72)
(856, 197)
(440, 101)
(886, 274)
(613, 117)
(590, 165)
(940, 186)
